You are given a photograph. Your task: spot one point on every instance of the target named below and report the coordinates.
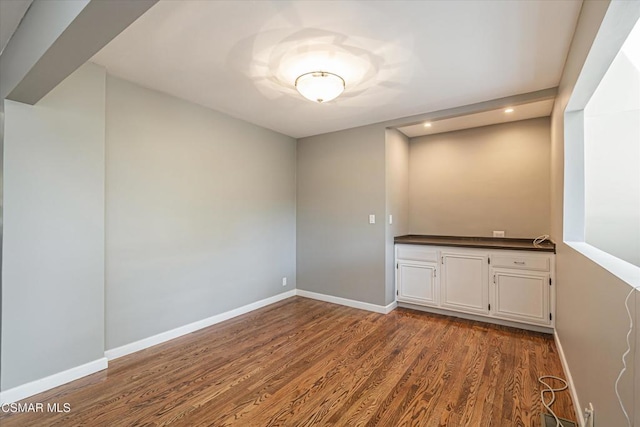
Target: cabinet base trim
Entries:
(479, 318)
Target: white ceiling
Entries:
(526, 111)
(398, 58)
(11, 13)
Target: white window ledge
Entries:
(622, 269)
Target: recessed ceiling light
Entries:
(509, 110)
(320, 86)
(427, 125)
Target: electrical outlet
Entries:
(284, 281)
(589, 415)
(498, 233)
(372, 219)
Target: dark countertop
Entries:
(477, 242)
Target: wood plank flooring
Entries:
(302, 362)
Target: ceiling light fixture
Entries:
(427, 125)
(509, 110)
(320, 86)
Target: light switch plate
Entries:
(372, 219)
(390, 219)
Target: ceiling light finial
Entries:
(320, 86)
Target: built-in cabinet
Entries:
(418, 282)
(465, 283)
(522, 287)
(514, 286)
(417, 269)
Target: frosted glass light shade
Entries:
(320, 86)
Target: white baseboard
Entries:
(572, 388)
(389, 308)
(55, 380)
(348, 302)
(38, 386)
(192, 327)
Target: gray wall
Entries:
(341, 180)
(591, 320)
(397, 199)
(53, 249)
(200, 213)
(474, 181)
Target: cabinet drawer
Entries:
(521, 262)
(416, 253)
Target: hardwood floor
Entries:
(302, 362)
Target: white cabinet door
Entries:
(417, 283)
(521, 296)
(465, 282)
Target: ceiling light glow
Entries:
(320, 86)
(509, 110)
(427, 125)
